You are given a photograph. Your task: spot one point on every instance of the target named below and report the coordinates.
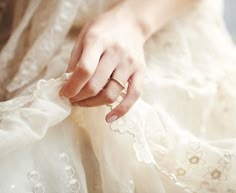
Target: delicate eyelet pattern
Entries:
(73, 184)
(34, 178)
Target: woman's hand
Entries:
(109, 53)
(110, 46)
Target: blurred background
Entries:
(230, 16)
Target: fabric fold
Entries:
(26, 119)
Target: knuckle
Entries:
(130, 60)
(83, 69)
(131, 63)
(94, 38)
(91, 36)
(92, 89)
(118, 48)
(109, 97)
(123, 109)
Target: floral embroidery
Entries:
(194, 159)
(216, 175)
(195, 155)
(180, 172)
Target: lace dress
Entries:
(179, 137)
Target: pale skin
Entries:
(111, 45)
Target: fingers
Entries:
(86, 67)
(107, 64)
(111, 91)
(106, 96)
(133, 93)
(76, 52)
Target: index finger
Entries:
(76, 51)
(86, 67)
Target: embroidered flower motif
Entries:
(195, 158)
(216, 175)
(180, 172)
(195, 155)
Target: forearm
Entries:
(152, 15)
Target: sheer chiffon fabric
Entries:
(180, 135)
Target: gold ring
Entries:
(118, 82)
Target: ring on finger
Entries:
(118, 82)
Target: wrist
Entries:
(138, 17)
(152, 15)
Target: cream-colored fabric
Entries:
(179, 136)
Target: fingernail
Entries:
(112, 118)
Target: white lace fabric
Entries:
(20, 116)
(179, 137)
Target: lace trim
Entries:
(126, 125)
(141, 148)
